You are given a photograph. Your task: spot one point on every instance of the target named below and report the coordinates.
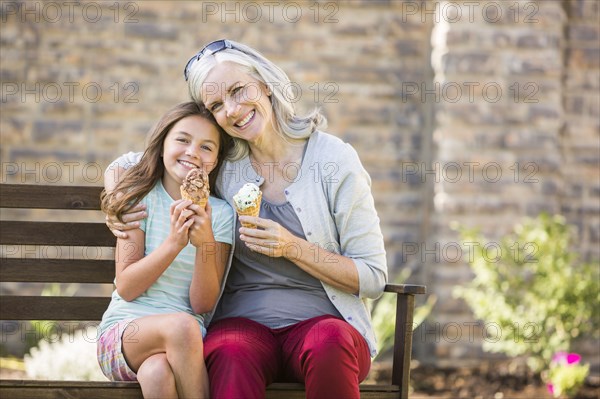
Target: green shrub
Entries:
(531, 285)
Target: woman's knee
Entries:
(330, 337)
(243, 342)
(335, 344)
(230, 349)
(238, 334)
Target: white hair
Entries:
(285, 121)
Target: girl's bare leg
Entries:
(178, 337)
(156, 378)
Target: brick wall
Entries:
(414, 86)
(83, 83)
(580, 132)
(521, 139)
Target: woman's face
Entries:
(240, 103)
(192, 142)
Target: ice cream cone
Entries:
(198, 201)
(195, 187)
(252, 210)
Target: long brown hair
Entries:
(141, 178)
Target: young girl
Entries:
(169, 271)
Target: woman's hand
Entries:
(201, 230)
(275, 241)
(269, 238)
(131, 220)
(180, 223)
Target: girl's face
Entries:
(240, 103)
(192, 142)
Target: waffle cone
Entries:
(250, 211)
(201, 201)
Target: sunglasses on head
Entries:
(210, 48)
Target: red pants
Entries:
(325, 353)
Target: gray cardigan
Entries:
(332, 198)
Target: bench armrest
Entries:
(405, 305)
(405, 289)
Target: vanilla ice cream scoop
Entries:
(247, 197)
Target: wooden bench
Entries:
(41, 269)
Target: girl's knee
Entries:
(156, 378)
(184, 329)
(186, 326)
(156, 370)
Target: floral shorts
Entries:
(110, 354)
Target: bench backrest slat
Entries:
(34, 252)
(55, 233)
(50, 197)
(52, 308)
(57, 270)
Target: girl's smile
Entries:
(188, 165)
(192, 142)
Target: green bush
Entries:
(531, 285)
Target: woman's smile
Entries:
(241, 124)
(240, 104)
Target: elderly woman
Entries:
(292, 305)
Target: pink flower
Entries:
(565, 375)
(566, 358)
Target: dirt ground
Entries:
(498, 380)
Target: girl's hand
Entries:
(180, 222)
(201, 231)
(131, 221)
(273, 240)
